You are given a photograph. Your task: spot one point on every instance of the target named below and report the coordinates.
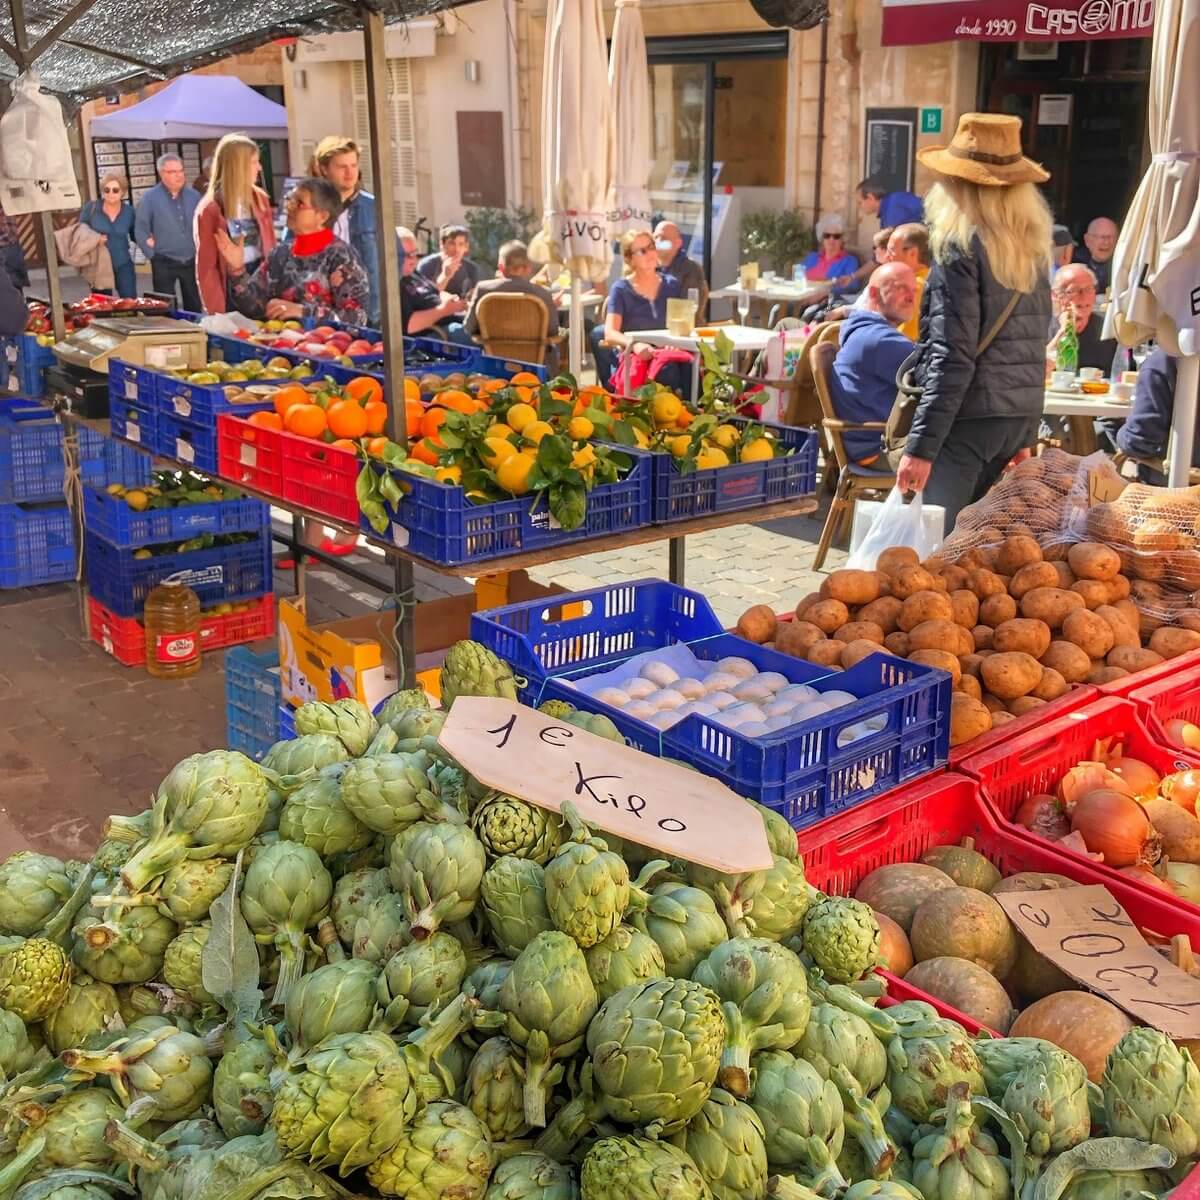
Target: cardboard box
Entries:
(356, 656)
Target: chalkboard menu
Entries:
(891, 135)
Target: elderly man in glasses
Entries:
(1074, 296)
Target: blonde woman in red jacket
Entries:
(237, 206)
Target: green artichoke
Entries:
(73, 1128)
(926, 1057)
(35, 977)
(339, 997)
(635, 1168)
(763, 991)
(90, 1006)
(959, 1161)
(684, 922)
(1003, 1059)
(352, 896)
(315, 815)
(494, 1089)
(350, 721)
(126, 945)
(486, 980)
(881, 1189)
(370, 858)
(287, 891)
(470, 669)
(781, 837)
(802, 1116)
(512, 896)
(165, 1074)
(181, 964)
(549, 999)
(390, 792)
(348, 1102)
(444, 1153)
(595, 723)
(17, 1052)
(627, 956)
(532, 1177)
(242, 1091)
(404, 701)
(1107, 1168)
(841, 936)
(190, 887)
(560, 710)
(32, 889)
(381, 930)
(508, 826)
(209, 806)
(437, 869)
(1048, 1103)
(422, 976)
(834, 1037)
(727, 1142)
(295, 756)
(1151, 1091)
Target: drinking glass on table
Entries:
(743, 305)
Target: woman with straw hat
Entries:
(980, 357)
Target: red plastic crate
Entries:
(125, 637)
(1077, 697)
(1172, 689)
(1139, 679)
(250, 455)
(321, 477)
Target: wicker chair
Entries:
(513, 325)
(854, 480)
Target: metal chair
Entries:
(854, 480)
(513, 325)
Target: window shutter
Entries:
(401, 130)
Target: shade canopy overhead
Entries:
(196, 106)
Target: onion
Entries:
(1146, 876)
(1140, 776)
(1087, 777)
(1183, 734)
(1182, 788)
(1116, 826)
(1044, 816)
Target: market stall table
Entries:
(1081, 411)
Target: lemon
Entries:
(498, 429)
(142, 554)
(451, 474)
(583, 458)
(513, 474)
(580, 429)
(759, 450)
(712, 456)
(521, 414)
(640, 437)
(137, 500)
(679, 445)
(536, 430)
(667, 407)
(726, 436)
(115, 489)
(495, 451)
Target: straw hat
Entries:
(985, 149)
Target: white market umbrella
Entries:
(575, 135)
(1157, 258)
(630, 154)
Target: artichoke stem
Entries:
(15, 1171)
(784, 1187)
(734, 1075)
(826, 1180)
(92, 1062)
(291, 968)
(123, 829)
(327, 940)
(134, 1148)
(570, 1123)
(254, 1107)
(535, 1093)
(155, 858)
(58, 928)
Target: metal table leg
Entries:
(677, 549)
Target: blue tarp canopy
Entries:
(194, 107)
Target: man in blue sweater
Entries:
(863, 380)
(162, 228)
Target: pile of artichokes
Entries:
(354, 970)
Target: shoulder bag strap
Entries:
(990, 336)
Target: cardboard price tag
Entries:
(1088, 934)
(684, 814)
(1104, 485)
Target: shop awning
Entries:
(914, 22)
(196, 106)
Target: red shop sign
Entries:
(913, 22)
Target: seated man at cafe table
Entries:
(424, 310)
(1099, 245)
(1143, 436)
(1074, 292)
(452, 270)
(871, 349)
(909, 244)
(512, 275)
(668, 241)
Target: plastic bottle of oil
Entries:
(172, 620)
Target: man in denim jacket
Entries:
(336, 158)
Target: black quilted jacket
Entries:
(960, 304)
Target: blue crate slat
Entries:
(190, 442)
(31, 364)
(287, 722)
(37, 545)
(112, 519)
(251, 700)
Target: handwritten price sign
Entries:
(654, 803)
(1089, 935)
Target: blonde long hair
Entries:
(1013, 223)
(231, 183)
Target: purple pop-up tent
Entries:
(194, 107)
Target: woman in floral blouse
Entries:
(313, 275)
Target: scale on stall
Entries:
(80, 378)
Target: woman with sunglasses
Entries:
(830, 260)
(111, 216)
(313, 275)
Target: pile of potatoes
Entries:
(1013, 630)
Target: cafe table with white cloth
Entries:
(746, 339)
(1081, 411)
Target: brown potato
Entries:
(1091, 633)
(1171, 643)
(925, 606)
(1023, 704)
(1058, 551)
(1033, 575)
(795, 637)
(942, 659)
(857, 650)
(983, 636)
(968, 718)
(853, 631)
(1094, 560)
(1129, 610)
(940, 634)
(852, 588)
(965, 607)
(1014, 552)
(757, 624)
(827, 653)
(1099, 675)
(1052, 685)
(907, 581)
(884, 612)
(1133, 658)
(1124, 634)
(1066, 577)
(897, 644)
(997, 609)
(1094, 592)
(1001, 717)
(884, 581)
(970, 664)
(955, 577)
(970, 559)
(1189, 618)
(1049, 604)
(1072, 663)
(1011, 674)
(804, 605)
(1024, 634)
(1119, 588)
(985, 583)
(894, 557)
(970, 685)
(827, 615)
(940, 585)
(994, 703)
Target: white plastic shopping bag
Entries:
(782, 362)
(894, 523)
(37, 173)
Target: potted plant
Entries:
(776, 238)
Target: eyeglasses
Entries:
(116, 190)
(833, 236)
(294, 201)
(1076, 293)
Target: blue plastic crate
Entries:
(199, 403)
(31, 364)
(539, 638)
(193, 443)
(112, 519)
(287, 722)
(31, 451)
(131, 419)
(438, 522)
(234, 350)
(139, 385)
(679, 497)
(803, 771)
(122, 582)
(37, 545)
(251, 700)
(121, 464)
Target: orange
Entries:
(683, 420)
(377, 414)
(376, 446)
(513, 474)
(524, 394)
(412, 389)
(266, 420)
(366, 390)
(285, 397)
(527, 378)
(345, 444)
(425, 451)
(414, 410)
(432, 420)
(535, 431)
(306, 420)
(491, 386)
(347, 419)
(457, 400)
(451, 474)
